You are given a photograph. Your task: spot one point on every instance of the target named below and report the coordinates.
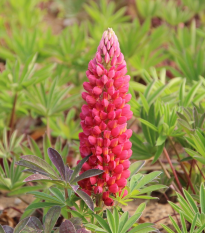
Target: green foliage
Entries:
(189, 210)
(117, 224)
(10, 148)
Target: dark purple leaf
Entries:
(8, 229)
(35, 223)
(51, 218)
(75, 187)
(87, 174)
(42, 178)
(40, 163)
(76, 222)
(32, 167)
(68, 173)
(1, 229)
(78, 168)
(57, 160)
(66, 227)
(36, 177)
(86, 198)
(35, 172)
(21, 225)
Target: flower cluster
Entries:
(104, 120)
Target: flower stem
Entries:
(173, 170)
(182, 166)
(168, 175)
(66, 197)
(99, 203)
(11, 122)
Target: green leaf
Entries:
(103, 223)
(202, 198)
(143, 228)
(191, 201)
(147, 178)
(167, 228)
(46, 197)
(26, 189)
(141, 208)
(116, 219)
(111, 221)
(161, 139)
(152, 188)
(34, 147)
(135, 167)
(130, 222)
(123, 220)
(158, 153)
(147, 123)
(40, 205)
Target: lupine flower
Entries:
(104, 120)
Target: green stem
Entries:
(99, 203)
(11, 122)
(66, 197)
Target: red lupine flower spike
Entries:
(104, 120)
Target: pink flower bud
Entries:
(129, 133)
(127, 145)
(112, 165)
(125, 174)
(97, 91)
(114, 142)
(104, 79)
(87, 86)
(123, 138)
(119, 168)
(84, 95)
(112, 115)
(107, 134)
(125, 192)
(96, 130)
(93, 180)
(122, 182)
(109, 201)
(126, 164)
(98, 190)
(99, 71)
(117, 150)
(111, 181)
(123, 155)
(105, 195)
(113, 188)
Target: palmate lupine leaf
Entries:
(123, 224)
(43, 172)
(33, 224)
(189, 210)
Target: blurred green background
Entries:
(45, 47)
